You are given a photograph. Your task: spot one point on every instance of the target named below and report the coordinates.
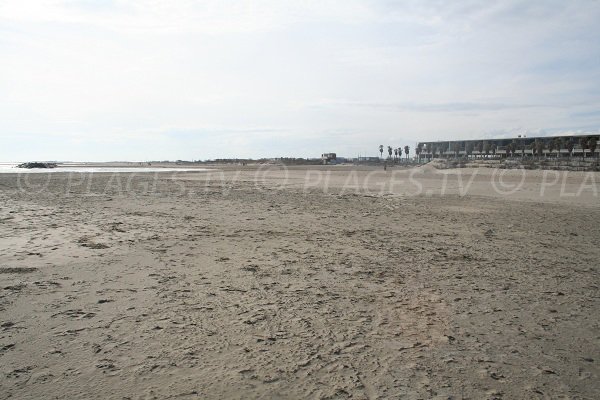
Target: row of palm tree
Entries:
(516, 146)
(553, 145)
(396, 152)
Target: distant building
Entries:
(328, 158)
(546, 146)
(364, 159)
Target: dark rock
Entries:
(31, 165)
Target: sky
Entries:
(166, 80)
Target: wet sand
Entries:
(328, 283)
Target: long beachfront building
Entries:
(546, 146)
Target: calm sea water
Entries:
(10, 168)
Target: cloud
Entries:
(193, 78)
(458, 107)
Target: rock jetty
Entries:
(31, 165)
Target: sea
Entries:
(11, 168)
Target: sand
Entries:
(326, 283)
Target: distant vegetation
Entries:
(397, 153)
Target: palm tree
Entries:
(486, 148)
(562, 143)
(469, 148)
(395, 154)
(406, 150)
(532, 147)
(583, 141)
(390, 151)
(555, 144)
(551, 145)
(479, 147)
(381, 150)
(510, 149)
(539, 147)
(444, 148)
(418, 151)
(569, 145)
(455, 148)
(521, 146)
(514, 146)
(592, 144)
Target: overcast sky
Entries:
(153, 80)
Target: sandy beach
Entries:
(306, 282)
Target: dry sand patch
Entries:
(268, 290)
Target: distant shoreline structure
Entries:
(516, 148)
(37, 165)
(520, 146)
